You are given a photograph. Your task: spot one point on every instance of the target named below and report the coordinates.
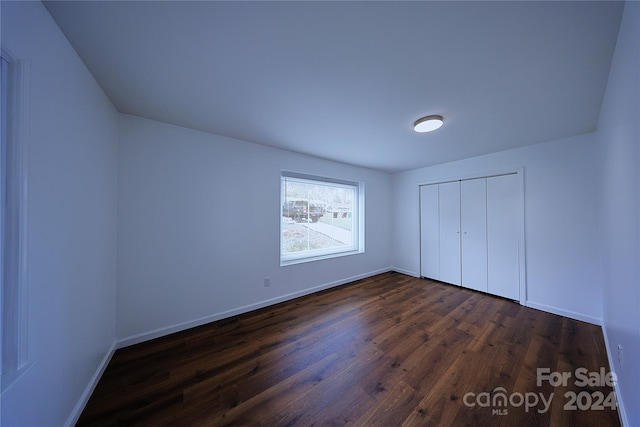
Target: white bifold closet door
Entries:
(429, 232)
(503, 229)
(470, 233)
(473, 218)
(449, 211)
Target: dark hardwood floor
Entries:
(390, 350)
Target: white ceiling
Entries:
(346, 80)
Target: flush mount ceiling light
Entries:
(428, 124)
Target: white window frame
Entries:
(14, 356)
(358, 217)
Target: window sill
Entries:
(293, 261)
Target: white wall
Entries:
(198, 228)
(196, 238)
(562, 254)
(619, 140)
(72, 160)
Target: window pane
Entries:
(318, 218)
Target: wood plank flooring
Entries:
(390, 350)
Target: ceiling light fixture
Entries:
(428, 124)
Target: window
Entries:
(320, 218)
(7, 363)
(13, 189)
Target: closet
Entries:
(470, 233)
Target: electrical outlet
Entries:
(620, 354)
(267, 282)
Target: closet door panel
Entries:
(449, 211)
(473, 211)
(503, 224)
(429, 232)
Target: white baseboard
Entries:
(84, 398)
(621, 412)
(565, 313)
(156, 333)
(407, 272)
